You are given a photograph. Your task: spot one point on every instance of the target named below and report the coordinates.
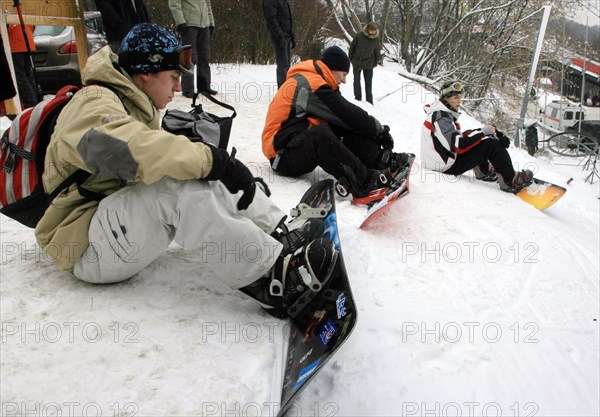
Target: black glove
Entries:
(384, 138)
(504, 140)
(292, 42)
(181, 29)
(233, 174)
(211, 29)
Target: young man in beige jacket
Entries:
(158, 187)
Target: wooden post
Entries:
(56, 13)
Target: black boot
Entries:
(295, 279)
(485, 172)
(350, 184)
(520, 180)
(393, 162)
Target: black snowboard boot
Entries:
(295, 279)
(350, 184)
(521, 180)
(485, 172)
(393, 162)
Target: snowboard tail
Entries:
(398, 189)
(325, 323)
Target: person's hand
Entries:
(504, 140)
(384, 138)
(292, 42)
(488, 130)
(181, 28)
(234, 175)
(211, 29)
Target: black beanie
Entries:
(336, 59)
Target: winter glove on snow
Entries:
(181, 28)
(384, 138)
(234, 175)
(504, 140)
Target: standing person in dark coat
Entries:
(531, 139)
(279, 22)
(119, 16)
(365, 55)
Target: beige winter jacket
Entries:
(196, 13)
(119, 141)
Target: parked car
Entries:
(590, 128)
(55, 57)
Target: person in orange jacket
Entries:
(309, 123)
(23, 68)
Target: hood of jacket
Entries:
(368, 35)
(316, 67)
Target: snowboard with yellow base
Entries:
(541, 194)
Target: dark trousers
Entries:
(115, 46)
(199, 39)
(368, 75)
(487, 150)
(25, 80)
(283, 56)
(7, 87)
(319, 146)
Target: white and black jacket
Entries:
(441, 138)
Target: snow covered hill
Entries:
(471, 302)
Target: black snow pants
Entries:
(488, 150)
(319, 146)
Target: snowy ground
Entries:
(471, 302)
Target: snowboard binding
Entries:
(299, 277)
(295, 279)
(376, 184)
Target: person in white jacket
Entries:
(445, 148)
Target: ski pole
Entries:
(393, 92)
(17, 5)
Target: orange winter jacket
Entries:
(17, 42)
(309, 97)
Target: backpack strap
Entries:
(214, 100)
(12, 151)
(78, 177)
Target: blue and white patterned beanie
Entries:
(150, 48)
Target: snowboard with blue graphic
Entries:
(325, 323)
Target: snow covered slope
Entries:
(471, 302)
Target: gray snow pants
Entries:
(135, 225)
